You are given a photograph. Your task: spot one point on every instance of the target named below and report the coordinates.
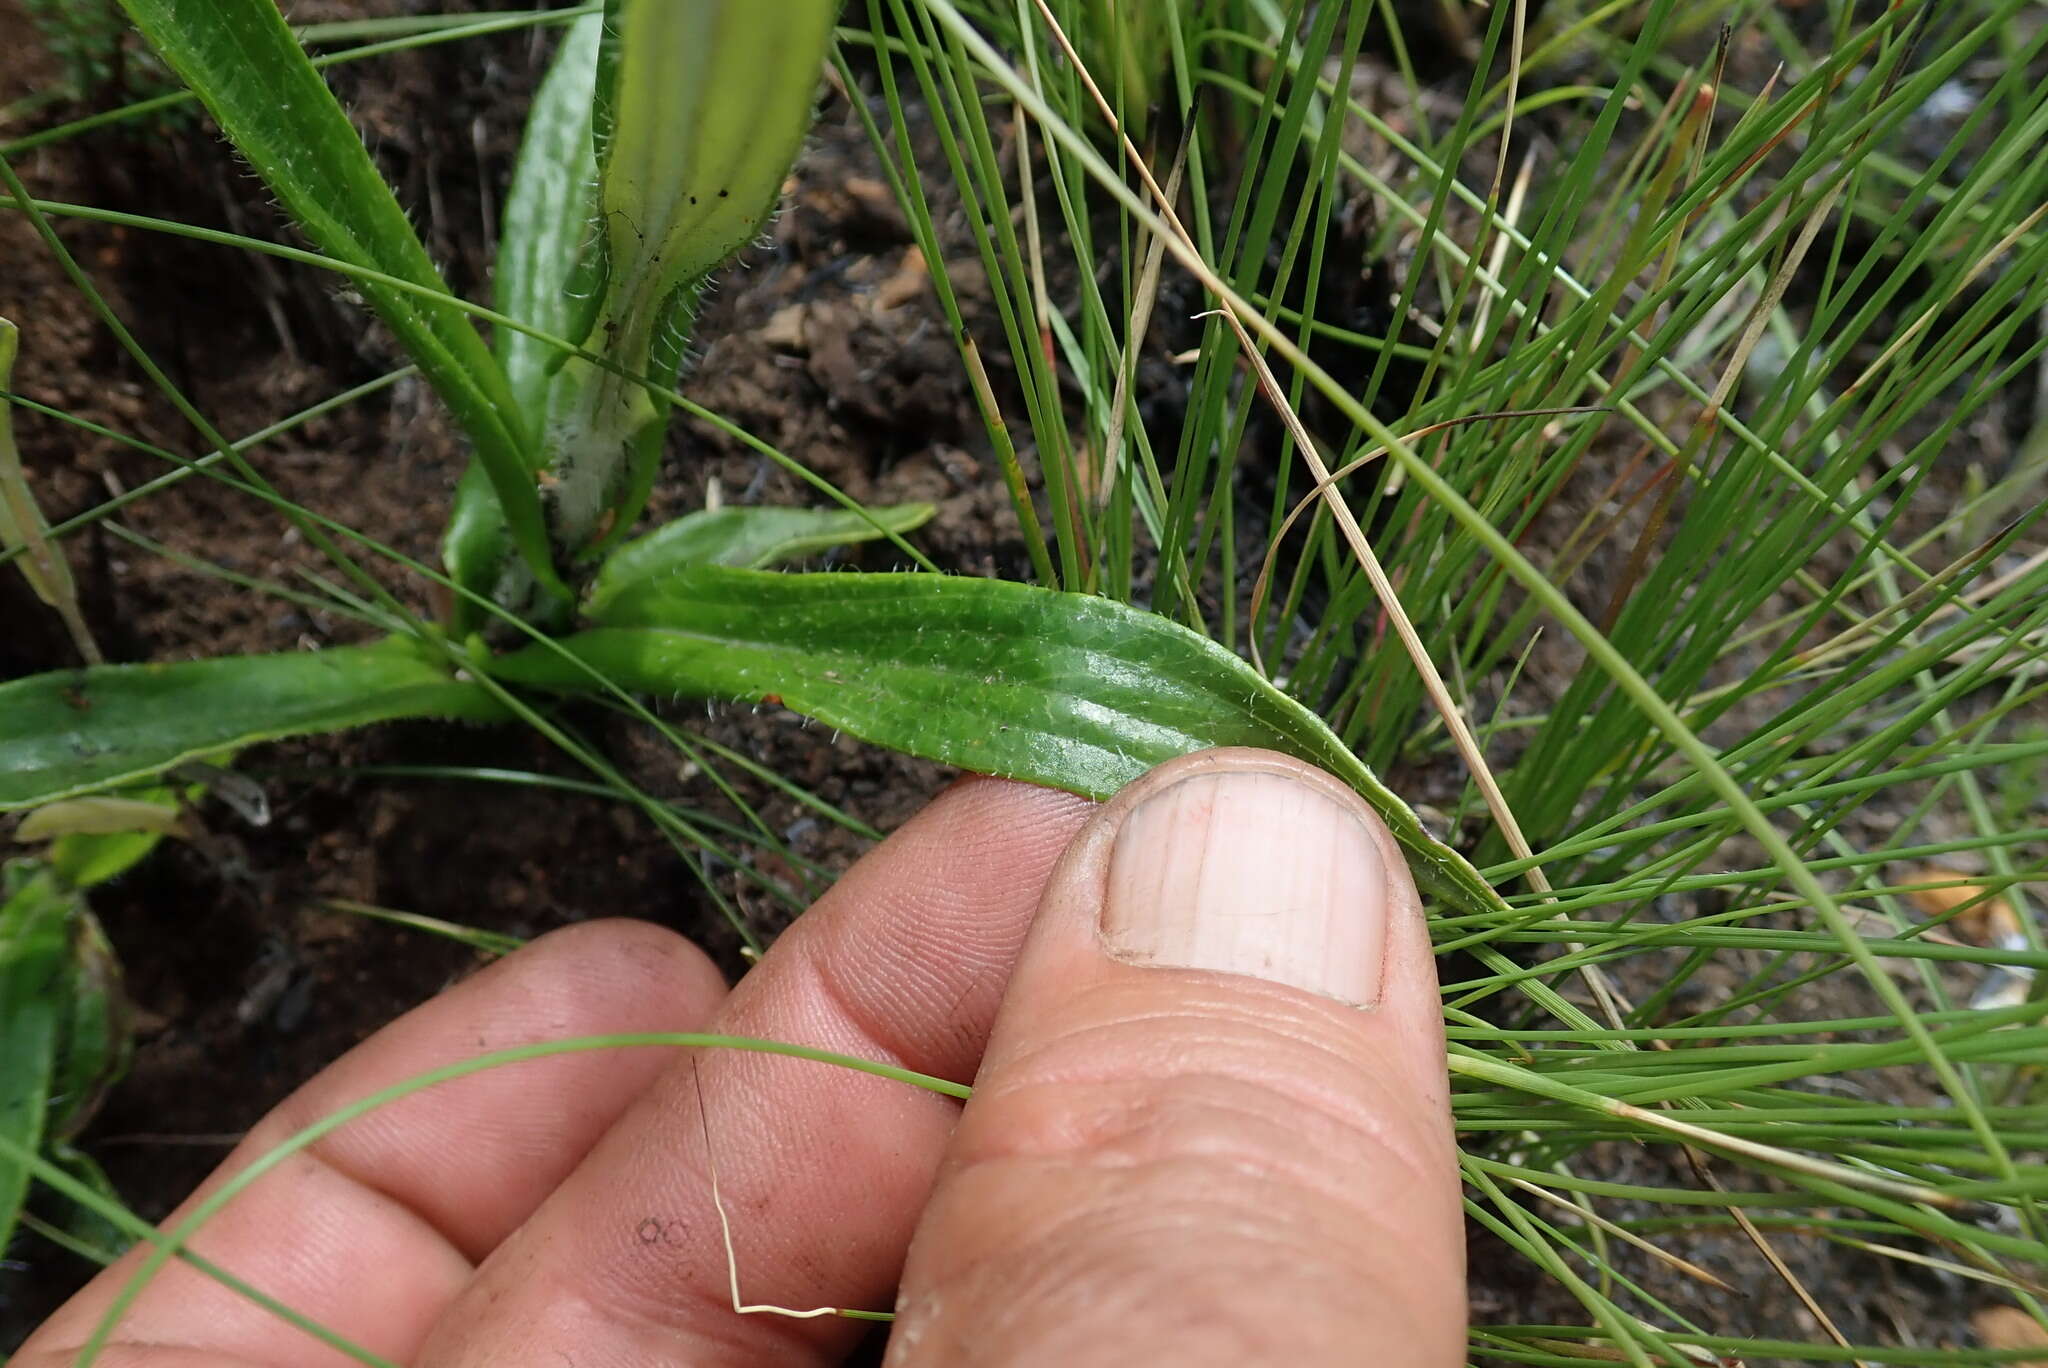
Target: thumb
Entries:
(1212, 1125)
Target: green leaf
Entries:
(550, 208)
(1068, 690)
(700, 110)
(65, 1021)
(548, 275)
(21, 520)
(99, 838)
(35, 922)
(70, 818)
(76, 731)
(711, 106)
(98, 1037)
(104, 1239)
(666, 353)
(746, 539)
(91, 860)
(604, 101)
(242, 61)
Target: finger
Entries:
(376, 1227)
(823, 1170)
(1212, 1125)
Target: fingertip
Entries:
(1218, 1074)
(916, 942)
(591, 966)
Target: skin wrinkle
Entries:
(1252, 1042)
(875, 1034)
(1115, 1133)
(384, 1193)
(908, 993)
(656, 1313)
(884, 1023)
(897, 946)
(137, 1355)
(389, 1209)
(1086, 1271)
(655, 1320)
(1081, 1260)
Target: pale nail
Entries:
(1251, 872)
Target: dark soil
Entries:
(827, 345)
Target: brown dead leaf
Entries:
(1986, 918)
(1868, 921)
(785, 328)
(872, 197)
(2008, 1327)
(1605, 1353)
(905, 283)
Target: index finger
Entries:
(822, 1170)
(375, 1228)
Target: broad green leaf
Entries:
(87, 861)
(665, 356)
(21, 519)
(477, 550)
(88, 858)
(549, 209)
(98, 1041)
(94, 839)
(242, 61)
(701, 109)
(746, 539)
(543, 278)
(711, 105)
(1068, 690)
(65, 1021)
(35, 921)
(77, 731)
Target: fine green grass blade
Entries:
(240, 58)
(75, 731)
(1068, 690)
(747, 539)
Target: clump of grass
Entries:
(1686, 415)
(1671, 442)
(92, 45)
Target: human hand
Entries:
(1161, 1162)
